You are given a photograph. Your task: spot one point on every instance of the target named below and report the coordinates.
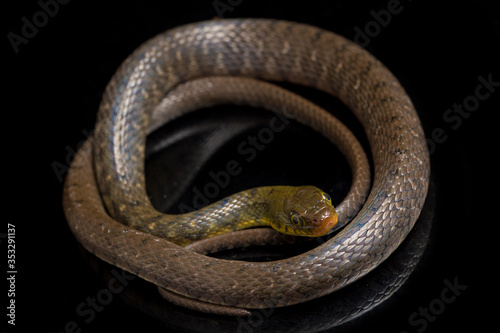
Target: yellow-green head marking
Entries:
(298, 211)
(303, 211)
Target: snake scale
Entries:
(110, 165)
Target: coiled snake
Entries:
(108, 170)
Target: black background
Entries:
(54, 85)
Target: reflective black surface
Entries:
(446, 57)
(350, 306)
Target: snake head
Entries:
(307, 211)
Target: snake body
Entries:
(112, 167)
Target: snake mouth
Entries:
(327, 224)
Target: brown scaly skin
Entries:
(265, 49)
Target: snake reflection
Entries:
(266, 49)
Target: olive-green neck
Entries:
(250, 208)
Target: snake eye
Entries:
(296, 218)
(327, 197)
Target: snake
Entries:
(105, 196)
